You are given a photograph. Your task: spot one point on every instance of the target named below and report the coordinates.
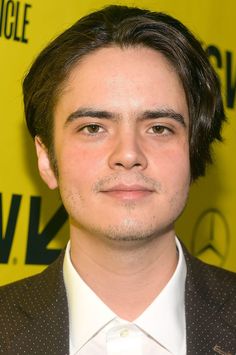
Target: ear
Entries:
(45, 169)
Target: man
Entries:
(123, 106)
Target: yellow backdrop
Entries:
(33, 223)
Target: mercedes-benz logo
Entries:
(211, 238)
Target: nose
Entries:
(127, 153)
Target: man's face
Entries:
(121, 145)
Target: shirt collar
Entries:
(87, 312)
(163, 317)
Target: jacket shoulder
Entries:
(29, 299)
(212, 288)
(14, 290)
(214, 276)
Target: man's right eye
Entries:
(91, 129)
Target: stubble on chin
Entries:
(130, 230)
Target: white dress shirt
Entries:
(96, 330)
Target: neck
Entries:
(126, 277)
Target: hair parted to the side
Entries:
(124, 27)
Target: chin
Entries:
(133, 231)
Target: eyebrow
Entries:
(145, 115)
(87, 112)
(164, 113)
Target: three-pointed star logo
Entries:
(211, 238)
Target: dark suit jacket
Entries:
(34, 312)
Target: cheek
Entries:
(179, 176)
(79, 164)
(173, 162)
(176, 177)
(172, 169)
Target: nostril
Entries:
(127, 165)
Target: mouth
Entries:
(128, 192)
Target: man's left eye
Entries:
(159, 130)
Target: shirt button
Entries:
(124, 332)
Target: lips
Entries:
(128, 192)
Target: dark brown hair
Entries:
(127, 26)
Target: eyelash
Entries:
(166, 130)
(88, 126)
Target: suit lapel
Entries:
(210, 299)
(43, 313)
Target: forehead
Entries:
(123, 79)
